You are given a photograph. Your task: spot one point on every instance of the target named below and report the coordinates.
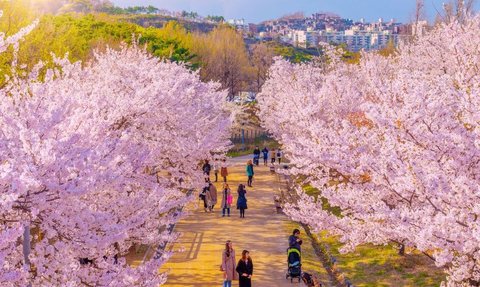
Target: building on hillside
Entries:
(239, 24)
(305, 39)
(357, 40)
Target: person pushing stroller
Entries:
(294, 254)
(294, 240)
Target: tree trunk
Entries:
(26, 249)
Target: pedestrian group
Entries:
(243, 269)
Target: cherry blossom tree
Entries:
(97, 158)
(392, 142)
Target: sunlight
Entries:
(46, 6)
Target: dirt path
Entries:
(263, 232)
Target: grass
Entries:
(371, 266)
(374, 266)
(238, 149)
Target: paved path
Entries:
(263, 232)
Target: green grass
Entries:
(373, 266)
(237, 153)
(238, 150)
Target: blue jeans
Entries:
(228, 210)
(227, 283)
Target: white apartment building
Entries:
(305, 39)
(238, 24)
(359, 40)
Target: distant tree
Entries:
(192, 15)
(261, 57)
(419, 11)
(290, 53)
(218, 19)
(16, 15)
(389, 50)
(458, 9)
(223, 57)
(78, 35)
(172, 42)
(152, 10)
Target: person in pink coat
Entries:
(228, 265)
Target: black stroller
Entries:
(294, 264)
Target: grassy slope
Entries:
(374, 266)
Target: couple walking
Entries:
(227, 200)
(243, 270)
(209, 196)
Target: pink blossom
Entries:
(392, 142)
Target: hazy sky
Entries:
(258, 10)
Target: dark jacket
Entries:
(207, 168)
(256, 152)
(265, 153)
(247, 268)
(292, 243)
(242, 199)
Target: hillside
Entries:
(159, 21)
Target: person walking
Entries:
(206, 196)
(224, 170)
(245, 270)
(250, 173)
(274, 154)
(207, 168)
(256, 155)
(294, 240)
(242, 200)
(265, 156)
(228, 264)
(227, 199)
(279, 156)
(212, 192)
(215, 169)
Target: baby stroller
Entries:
(294, 264)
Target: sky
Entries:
(255, 11)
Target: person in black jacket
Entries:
(256, 155)
(242, 200)
(207, 168)
(294, 240)
(265, 152)
(245, 270)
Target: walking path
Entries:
(263, 232)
